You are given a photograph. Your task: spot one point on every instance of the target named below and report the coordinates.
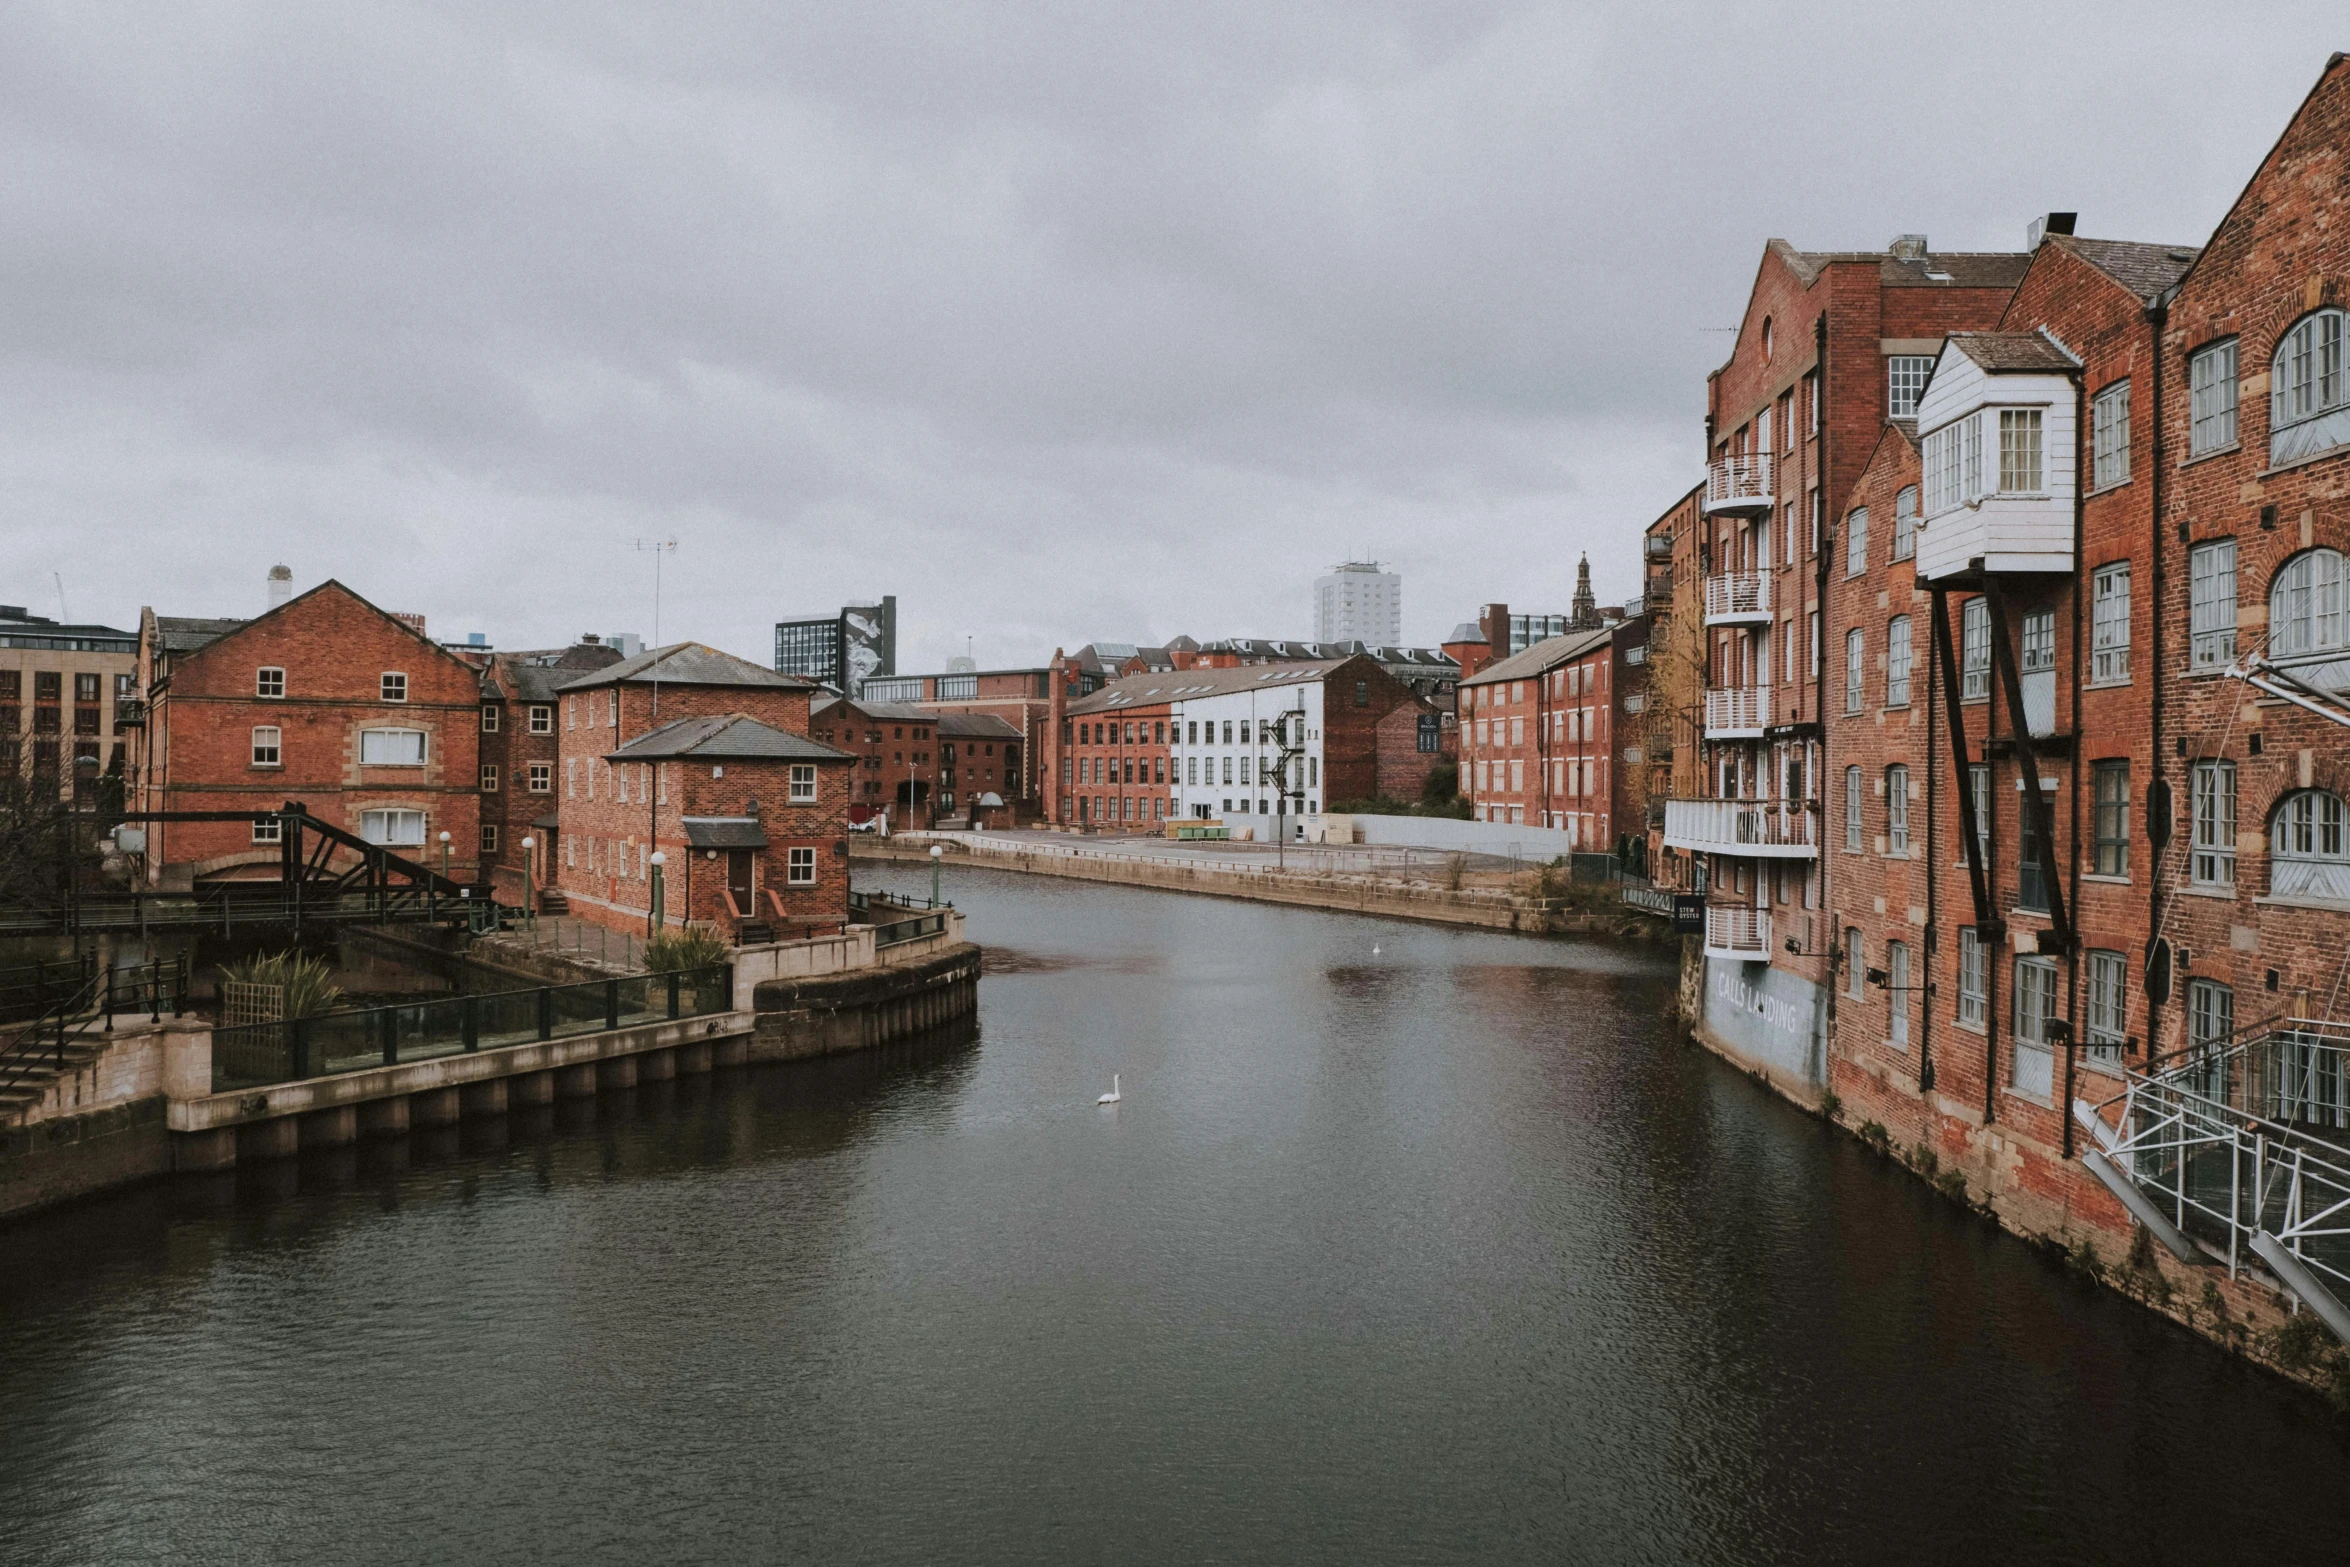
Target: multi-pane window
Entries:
(542, 718)
(2306, 606)
(542, 778)
(489, 778)
(393, 828)
(1897, 811)
(2035, 1010)
(2211, 603)
(2110, 435)
(1978, 785)
(1855, 659)
(1897, 662)
(2211, 1024)
(1905, 523)
(391, 747)
(268, 829)
(395, 687)
(2102, 1035)
(1973, 995)
(2111, 787)
(1852, 806)
(2307, 857)
(2211, 381)
(1954, 461)
(1854, 971)
(1905, 380)
(1897, 992)
(2213, 861)
(269, 681)
(489, 718)
(799, 868)
(2039, 642)
(1974, 650)
(2019, 451)
(803, 783)
(266, 740)
(2031, 861)
(489, 837)
(1856, 542)
(2109, 624)
(2308, 378)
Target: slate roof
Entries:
(1542, 656)
(2148, 271)
(733, 737)
(689, 664)
(888, 712)
(185, 634)
(1184, 684)
(2000, 353)
(1935, 269)
(973, 726)
(725, 832)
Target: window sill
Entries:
(2227, 894)
(2028, 1097)
(2229, 450)
(2293, 901)
(2123, 684)
(1972, 1028)
(2328, 455)
(267, 767)
(2104, 880)
(2111, 1066)
(2122, 483)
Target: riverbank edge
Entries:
(2132, 1266)
(1428, 905)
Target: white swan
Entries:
(1113, 1096)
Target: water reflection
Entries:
(1445, 1251)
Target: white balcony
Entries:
(1738, 599)
(1738, 935)
(1736, 484)
(1764, 829)
(1737, 712)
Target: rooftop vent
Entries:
(1907, 247)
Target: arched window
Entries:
(2307, 387)
(2307, 856)
(2306, 608)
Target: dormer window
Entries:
(395, 687)
(1956, 474)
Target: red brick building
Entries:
(750, 820)
(1116, 754)
(979, 755)
(522, 751)
(1538, 738)
(896, 746)
(599, 714)
(326, 700)
(1019, 698)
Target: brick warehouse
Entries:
(522, 750)
(325, 699)
(1538, 738)
(896, 746)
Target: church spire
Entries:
(1583, 614)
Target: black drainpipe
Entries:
(2157, 318)
(2072, 958)
(1825, 544)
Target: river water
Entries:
(1406, 1245)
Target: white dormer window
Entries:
(1956, 474)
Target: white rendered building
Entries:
(1357, 602)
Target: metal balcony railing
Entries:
(1773, 829)
(1738, 596)
(1738, 483)
(2241, 1153)
(1732, 712)
(1741, 934)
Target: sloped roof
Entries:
(2148, 271)
(688, 664)
(2011, 353)
(973, 726)
(891, 712)
(1934, 269)
(725, 832)
(732, 737)
(1185, 684)
(1542, 656)
(185, 634)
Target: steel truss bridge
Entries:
(2240, 1155)
(325, 874)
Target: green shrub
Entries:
(308, 982)
(671, 950)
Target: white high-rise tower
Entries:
(1357, 602)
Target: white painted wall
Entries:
(1251, 707)
(2006, 532)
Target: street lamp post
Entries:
(434, 902)
(659, 911)
(937, 853)
(529, 877)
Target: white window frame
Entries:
(2309, 607)
(1856, 541)
(2308, 379)
(542, 718)
(1905, 382)
(489, 778)
(489, 837)
(1973, 994)
(269, 683)
(423, 751)
(541, 777)
(2212, 786)
(1855, 962)
(799, 867)
(2109, 423)
(1897, 993)
(2023, 466)
(2211, 614)
(2106, 1017)
(2109, 625)
(2309, 847)
(803, 783)
(1853, 805)
(2211, 378)
(1898, 661)
(1974, 650)
(268, 829)
(2033, 1010)
(1897, 811)
(1856, 654)
(489, 718)
(1905, 523)
(268, 745)
(394, 686)
(386, 819)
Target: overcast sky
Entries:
(1060, 322)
